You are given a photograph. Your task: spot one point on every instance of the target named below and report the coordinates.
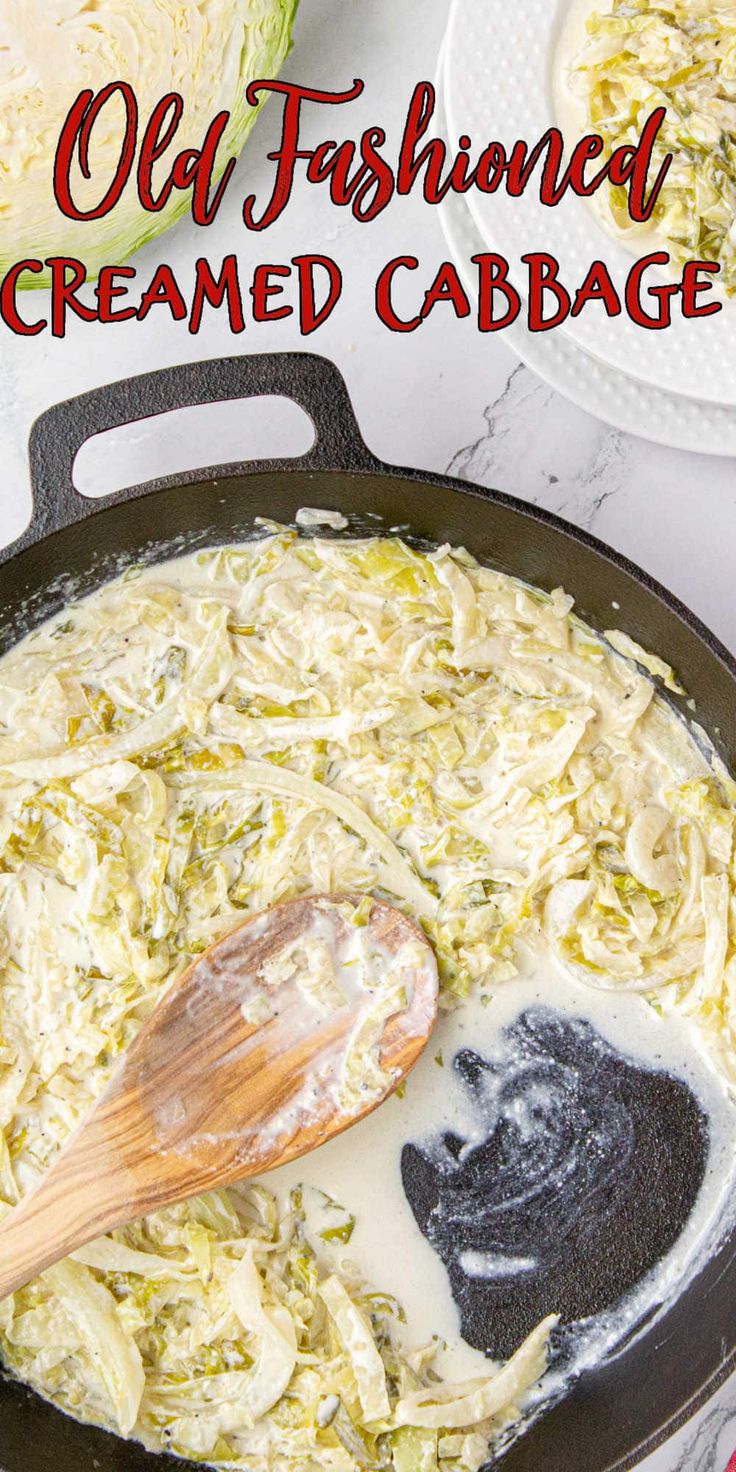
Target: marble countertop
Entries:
(444, 399)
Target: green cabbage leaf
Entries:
(207, 51)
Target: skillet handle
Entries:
(312, 382)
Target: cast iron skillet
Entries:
(623, 1410)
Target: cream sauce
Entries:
(524, 648)
(362, 1170)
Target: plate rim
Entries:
(602, 245)
(534, 349)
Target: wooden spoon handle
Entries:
(48, 1225)
(205, 1095)
(88, 1189)
(120, 1164)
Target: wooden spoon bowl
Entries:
(239, 1069)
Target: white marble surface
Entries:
(444, 398)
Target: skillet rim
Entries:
(80, 417)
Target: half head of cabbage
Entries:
(207, 51)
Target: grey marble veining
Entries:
(589, 468)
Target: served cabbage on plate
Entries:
(680, 55)
(204, 738)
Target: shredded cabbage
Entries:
(274, 1328)
(679, 55)
(289, 716)
(357, 1339)
(91, 1310)
(479, 1400)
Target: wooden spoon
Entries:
(210, 1092)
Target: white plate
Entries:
(621, 401)
(499, 56)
